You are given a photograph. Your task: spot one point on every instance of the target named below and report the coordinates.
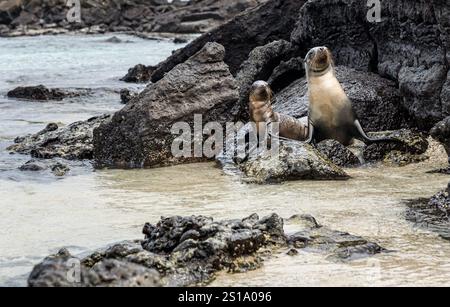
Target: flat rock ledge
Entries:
(185, 251)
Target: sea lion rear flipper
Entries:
(366, 139)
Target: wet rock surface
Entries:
(35, 17)
(73, 142)
(140, 134)
(40, 93)
(259, 66)
(185, 251)
(431, 213)
(296, 161)
(338, 153)
(410, 147)
(139, 74)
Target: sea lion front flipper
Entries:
(310, 138)
(366, 139)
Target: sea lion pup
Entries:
(261, 113)
(331, 114)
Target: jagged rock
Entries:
(296, 161)
(409, 148)
(140, 134)
(73, 142)
(183, 250)
(64, 270)
(431, 213)
(270, 21)
(338, 153)
(376, 101)
(138, 74)
(187, 251)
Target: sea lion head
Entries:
(318, 60)
(261, 91)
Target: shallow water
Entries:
(87, 210)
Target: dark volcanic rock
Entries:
(64, 270)
(183, 250)
(296, 161)
(39, 92)
(140, 134)
(34, 17)
(271, 21)
(376, 101)
(259, 66)
(338, 245)
(186, 251)
(410, 45)
(9, 10)
(33, 166)
(441, 132)
(408, 149)
(73, 142)
(139, 74)
(431, 214)
(338, 153)
(60, 169)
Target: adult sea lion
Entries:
(331, 114)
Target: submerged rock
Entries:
(296, 161)
(186, 251)
(39, 92)
(431, 214)
(73, 142)
(409, 46)
(411, 147)
(139, 74)
(60, 169)
(338, 153)
(140, 134)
